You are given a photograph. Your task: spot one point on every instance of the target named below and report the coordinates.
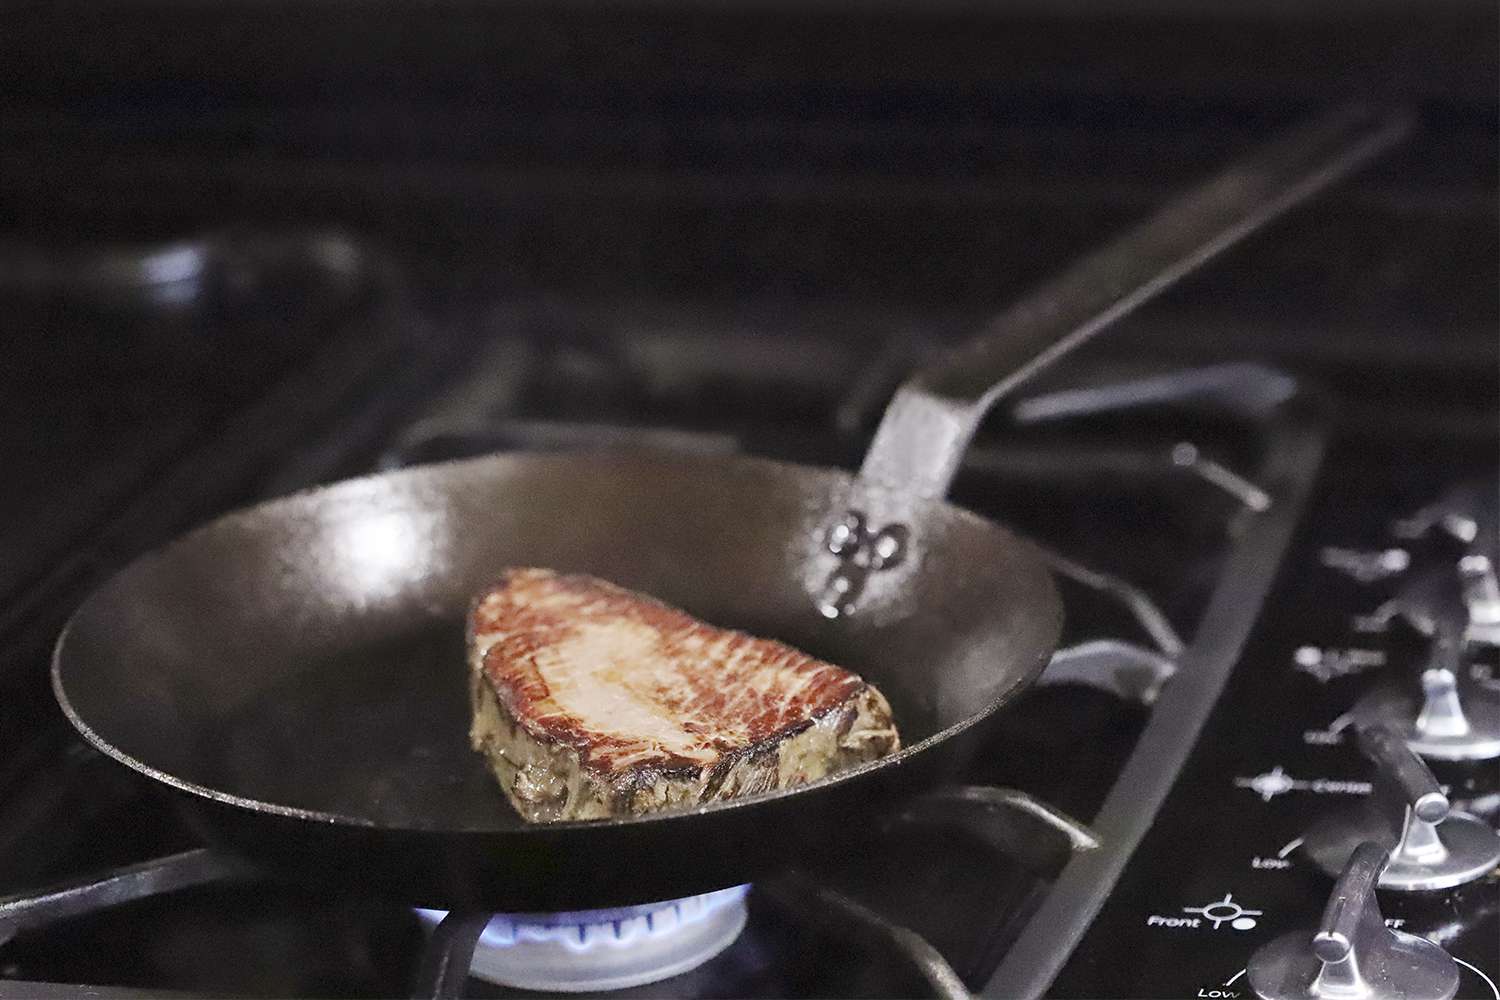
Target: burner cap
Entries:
(606, 949)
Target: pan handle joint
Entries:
(861, 551)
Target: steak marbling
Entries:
(593, 701)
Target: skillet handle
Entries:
(927, 426)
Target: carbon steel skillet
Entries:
(297, 668)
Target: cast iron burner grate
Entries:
(961, 877)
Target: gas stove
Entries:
(1270, 514)
(1238, 574)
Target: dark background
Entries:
(941, 155)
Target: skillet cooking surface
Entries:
(298, 667)
(308, 653)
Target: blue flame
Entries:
(588, 929)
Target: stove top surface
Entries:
(1225, 532)
(1157, 540)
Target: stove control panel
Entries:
(1334, 831)
(1429, 846)
(1352, 953)
(1442, 712)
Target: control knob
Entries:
(1455, 718)
(1469, 515)
(1430, 845)
(1352, 955)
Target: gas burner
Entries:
(592, 950)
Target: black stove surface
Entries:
(1232, 830)
(1102, 489)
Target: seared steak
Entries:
(591, 701)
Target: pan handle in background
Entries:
(928, 424)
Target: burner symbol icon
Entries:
(1240, 918)
(1269, 784)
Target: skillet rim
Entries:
(1049, 603)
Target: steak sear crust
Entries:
(592, 701)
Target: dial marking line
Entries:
(1480, 973)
